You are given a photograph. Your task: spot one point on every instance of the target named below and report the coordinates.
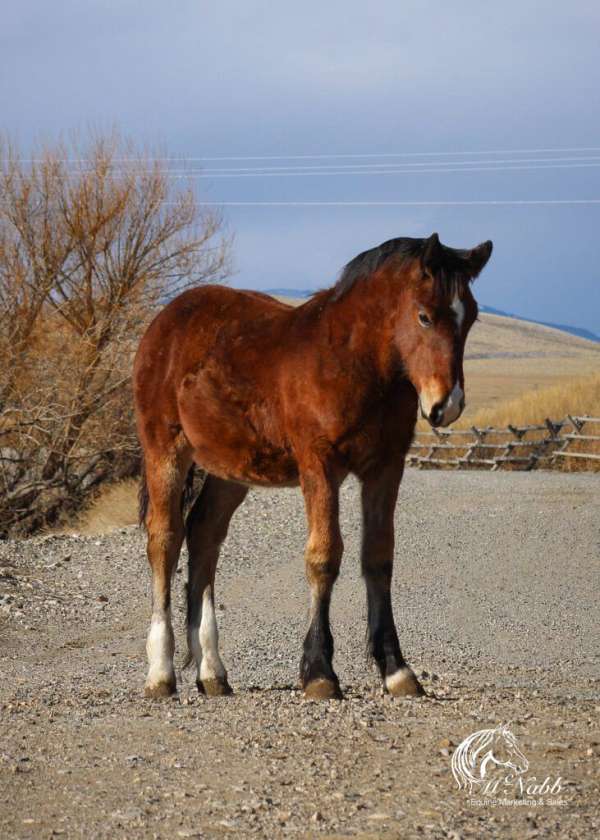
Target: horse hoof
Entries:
(403, 683)
(160, 690)
(215, 687)
(322, 689)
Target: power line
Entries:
(341, 156)
(394, 154)
(358, 166)
(316, 167)
(483, 202)
(361, 169)
(434, 203)
(590, 162)
(354, 172)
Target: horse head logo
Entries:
(481, 753)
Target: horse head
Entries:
(437, 310)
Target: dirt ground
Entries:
(496, 596)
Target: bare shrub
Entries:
(92, 239)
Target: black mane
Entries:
(369, 261)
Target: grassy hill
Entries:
(507, 358)
(580, 332)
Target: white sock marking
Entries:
(211, 666)
(193, 633)
(160, 647)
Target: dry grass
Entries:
(579, 397)
(576, 397)
(114, 507)
(507, 359)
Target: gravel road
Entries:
(496, 595)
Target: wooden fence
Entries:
(572, 443)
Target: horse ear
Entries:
(478, 258)
(431, 259)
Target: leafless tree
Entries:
(93, 237)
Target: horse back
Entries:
(210, 365)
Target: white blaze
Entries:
(458, 308)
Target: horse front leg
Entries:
(379, 495)
(323, 556)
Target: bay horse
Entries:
(257, 392)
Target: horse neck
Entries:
(362, 323)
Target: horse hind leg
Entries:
(206, 528)
(164, 523)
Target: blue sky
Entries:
(490, 82)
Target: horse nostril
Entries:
(436, 414)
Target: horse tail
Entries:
(188, 496)
(143, 497)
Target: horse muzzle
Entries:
(442, 412)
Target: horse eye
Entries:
(424, 319)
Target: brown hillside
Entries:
(507, 357)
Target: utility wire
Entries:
(364, 170)
(341, 166)
(477, 203)
(342, 155)
(358, 166)
(354, 172)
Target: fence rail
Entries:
(549, 445)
